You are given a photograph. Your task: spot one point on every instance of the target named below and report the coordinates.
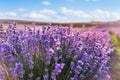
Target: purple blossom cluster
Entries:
(54, 53)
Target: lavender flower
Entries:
(50, 51)
(2, 75)
(59, 67)
(18, 71)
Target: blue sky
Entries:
(60, 10)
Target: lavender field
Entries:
(58, 53)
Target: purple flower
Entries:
(74, 78)
(72, 65)
(80, 62)
(107, 77)
(2, 75)
(7, 53)
(59, 67)
(53, 76)
(46, 77)
(38, 78)
(18, 70)
(50, 51)
(30, 75)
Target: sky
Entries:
(60, 10)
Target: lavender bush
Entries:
(54, 53)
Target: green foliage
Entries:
(115, 58)
(116, 42)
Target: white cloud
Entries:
(74, 13)
(48, 11)
(101, 14)
(35, 15)
(104, 15)
(8, 14)
(81, 15)
(115, 15)
(43, 15)
(46, 3)
(62, 15)
(21, 9)
(12, 14)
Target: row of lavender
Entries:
(54, 53)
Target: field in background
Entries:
(113, 25)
